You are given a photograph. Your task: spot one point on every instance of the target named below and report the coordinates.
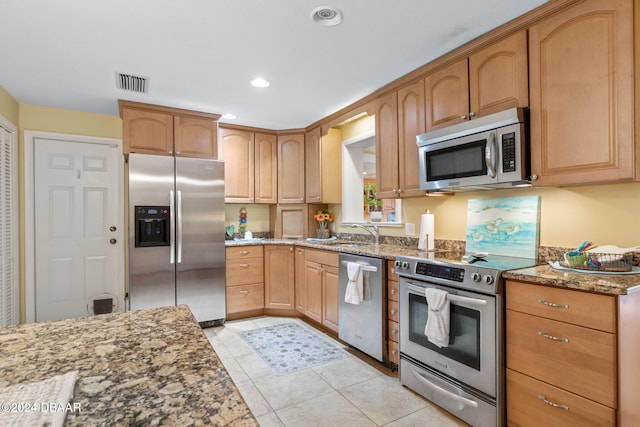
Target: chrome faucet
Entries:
(371, 229)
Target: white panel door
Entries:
(76, 219)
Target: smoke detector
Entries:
(327, 16)
(130, 82)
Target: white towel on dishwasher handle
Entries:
(437, 327)
(354, 293)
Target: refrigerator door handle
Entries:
(179, 226)
(172, 228)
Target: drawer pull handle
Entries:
(393, 311)
(244, 265)
(394, 332)
(551, 337)
(550, 304)
(393, 292)
(244, 252)
(244, 292)
(550, 403)
(394, 352)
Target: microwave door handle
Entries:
(490, 155)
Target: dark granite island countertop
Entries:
(147, 367)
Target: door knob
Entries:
(112, 228)
(113, 241)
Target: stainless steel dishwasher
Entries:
(363, 325)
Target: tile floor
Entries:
(344, 392)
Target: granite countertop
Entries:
(147, 367)
(384, 251)
(610, 284)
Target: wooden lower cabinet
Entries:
(279, 277)
(330, 302)
(571, 357)
(245, 280)
(300, 284)
(321, 286)
(393, 332)
(245, 298)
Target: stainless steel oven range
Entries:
(466, 376)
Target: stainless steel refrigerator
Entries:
(176, 234)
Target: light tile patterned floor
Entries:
(344, 392)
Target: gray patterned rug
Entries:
(288, 347)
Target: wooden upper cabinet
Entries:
(266, 168)
(411, 122)
(291, 182)
(447, 96)
(386, 112)
(491, 80)
(582, 94)
(498, 76)
(236, 148)
(147, 132)
(155, 129)
(195, 137)
(313, 165)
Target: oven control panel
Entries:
(444, 272)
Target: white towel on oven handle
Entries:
(354, 293)
(437, 327)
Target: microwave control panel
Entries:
(509, 152)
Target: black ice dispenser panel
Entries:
(152, 226)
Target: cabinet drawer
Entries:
(391, 271)
(574, 358)
(580, 308)
(393, 330)
(245, 271)
(393, 311)
(329, 258)
(393, 352)
(244, 252)
(392, 290)
(245, 297)
(525, 406)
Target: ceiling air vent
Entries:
(132, 83)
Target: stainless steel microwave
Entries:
(483, 153)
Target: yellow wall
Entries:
(604, 214)
(8, 106)
(34, 117)
(257, 217)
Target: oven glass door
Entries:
(470, 356)
(464, 331)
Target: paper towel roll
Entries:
(426, 242)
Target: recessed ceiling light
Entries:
(327, 16)
(229, 116)
(260, 82)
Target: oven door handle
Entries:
(447, 393)
(466, 300)
(451, 297)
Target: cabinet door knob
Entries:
(113, 241)
(534, 177)
(112, 228)
(393, 292)
(472, 114)
(463, 117)
(393, 311)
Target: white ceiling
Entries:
(201, 54)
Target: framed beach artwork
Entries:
(504, 226)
